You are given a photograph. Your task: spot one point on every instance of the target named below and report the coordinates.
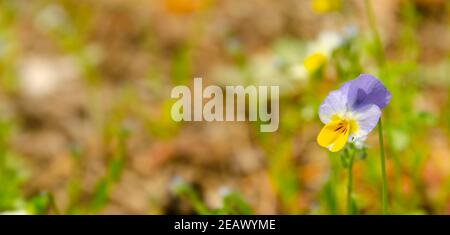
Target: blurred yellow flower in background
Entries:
(324, 6)
(321, 50)
(314, 62)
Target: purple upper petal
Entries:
(366, 90)
(356, 96)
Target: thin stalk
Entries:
(53, 204)
(350, 186)
(334, 176)
(381, 58)
(384, 192)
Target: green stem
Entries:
(350, 186)
(333, 182)
(383, 169)
(381, 58)
(53, 204)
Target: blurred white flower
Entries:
(298, 72)
(326, 43)
(264, 69)
(320, 51)
(288, 65)
(40, 76)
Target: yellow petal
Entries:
(334, 135)
(340, 141)
(328, 135)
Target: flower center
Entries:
(342, 127)
(346, 123)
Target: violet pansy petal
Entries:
(367, 118)
(366, 90)
(334, 104)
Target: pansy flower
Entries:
(351, 112)
(321, 50)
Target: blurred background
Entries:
(85, 125)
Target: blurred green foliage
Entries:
(406, 127)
